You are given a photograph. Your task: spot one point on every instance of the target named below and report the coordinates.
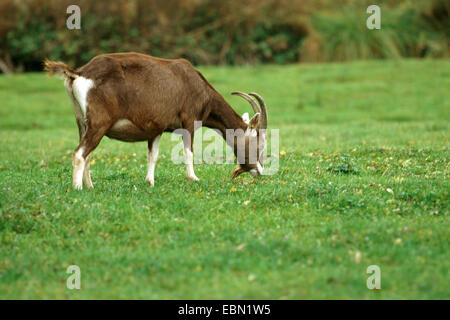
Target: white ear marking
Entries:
(246, 118)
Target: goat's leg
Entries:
(87, 173)
(88, 143)
(82, 127)
(79, 163)
(188, 139)
(153, 150)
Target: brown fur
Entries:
(53, 67)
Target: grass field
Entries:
(363, 180)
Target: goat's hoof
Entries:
(150, 182)
(77, 187)
(194, 178)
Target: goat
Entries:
(136, 97)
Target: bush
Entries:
(219, 32)
(203, 31)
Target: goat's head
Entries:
(250, 146)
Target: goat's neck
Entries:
(223, 117)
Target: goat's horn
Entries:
(249, 99)
(262, 124)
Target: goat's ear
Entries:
(246, 118)
(237, 171)
(254, 120)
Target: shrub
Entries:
(220, 32)
(203, 31)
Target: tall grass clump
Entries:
(413, 29)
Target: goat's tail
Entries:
(53, 67)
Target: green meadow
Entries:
(362, 180)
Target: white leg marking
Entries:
(189, 161)
(87, 173)
(152, 158)
(78, 169)
(81, 87)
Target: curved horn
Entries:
(262, 124)
(249, 99)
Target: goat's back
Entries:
(154, 86)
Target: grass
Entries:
(363, 180)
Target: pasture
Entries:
(363, 180)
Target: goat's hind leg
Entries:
(88, 143)
(82, 127)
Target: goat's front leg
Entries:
(153, 150)
(87, 173)
(188, 139)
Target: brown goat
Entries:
(135, 97)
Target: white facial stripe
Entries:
(259, 168)
(81, 87)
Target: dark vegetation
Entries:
(221, 32)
